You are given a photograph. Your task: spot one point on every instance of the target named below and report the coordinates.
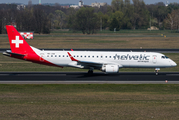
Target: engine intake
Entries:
(110, 68)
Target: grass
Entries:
(122, 31)
(12, 64)
(98, 42)
(89, 101)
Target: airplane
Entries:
(108, 62)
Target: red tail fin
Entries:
(17, 42)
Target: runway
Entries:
(84, 78)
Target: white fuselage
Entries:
(122, 59)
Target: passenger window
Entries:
(81, 56)
(67, 55)
(47, 55)
(55, 55)
(89, 56)
(51, 55)
(109, 56)
(106, 56)
(97, 56)
(59, 56)
(77, 55)
(85, 56)
(93, 56)
(63, 55)
(74, 56)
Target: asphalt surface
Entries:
(84, 78)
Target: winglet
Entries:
(71, 49)
(71, 57)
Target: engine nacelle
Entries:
(110, 68)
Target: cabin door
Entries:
(154, 59)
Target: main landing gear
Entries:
(90, 71)
(156, 70)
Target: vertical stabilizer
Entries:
(17, 42)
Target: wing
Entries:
(90, 63)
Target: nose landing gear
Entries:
(156, 70)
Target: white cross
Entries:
(17, 41)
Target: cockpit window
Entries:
(164, 57)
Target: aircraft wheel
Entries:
(90, 72)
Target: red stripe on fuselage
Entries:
(34, 58)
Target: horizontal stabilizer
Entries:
(8, 53)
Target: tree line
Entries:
(121, 14)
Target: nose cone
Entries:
(173, 63)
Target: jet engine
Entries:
(110, 68)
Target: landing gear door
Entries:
(154, 59)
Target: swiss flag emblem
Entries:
(17, 42)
